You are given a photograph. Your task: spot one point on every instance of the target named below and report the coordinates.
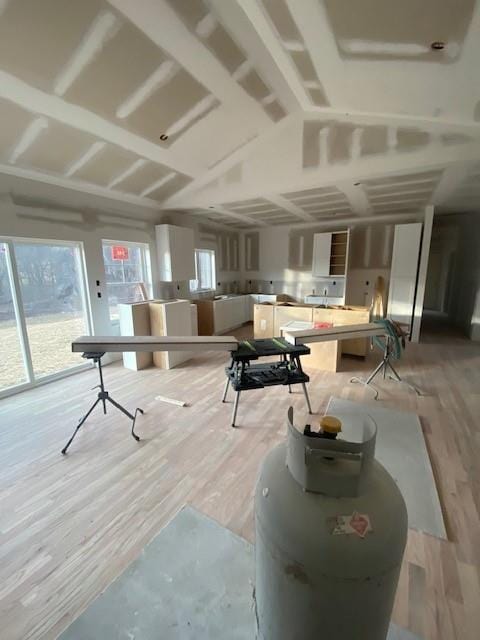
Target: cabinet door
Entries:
(322, 244)
(403, 274)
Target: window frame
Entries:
(146, 267)
(194, 285)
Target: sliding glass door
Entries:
(42, 309)
(13, 369)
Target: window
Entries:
(128, 274)
(204, 270)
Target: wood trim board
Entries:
(344, 332)
(120, 344)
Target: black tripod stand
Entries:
(102, 396)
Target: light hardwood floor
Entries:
(70, 525)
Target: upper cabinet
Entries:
(252, 251)
(330, 254)
(176, 254)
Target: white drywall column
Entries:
(422, 273)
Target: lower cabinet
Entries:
(218, 316)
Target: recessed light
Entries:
(438, 45)
(163, 137)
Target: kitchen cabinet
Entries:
(261, 298)
(176, 253)
(170, 318)
(218, 316)
(135, 321)
(330, 254)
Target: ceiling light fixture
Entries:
(438, 45)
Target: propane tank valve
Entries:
(330, 427)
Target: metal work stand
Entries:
(241, 370)
(384, 367)
(103, 397)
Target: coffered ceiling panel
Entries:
(321, 202)
(37, 36)
(124, 63)
(403, 193)
(402, 30)
(13, 122)
(56, 148)
(106, 165)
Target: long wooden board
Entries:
(121, 344)
(345, 332)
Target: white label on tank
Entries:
(263, 324)
(357, 524)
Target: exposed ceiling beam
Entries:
(283, 203)
(361, 117)
(368, 168)
(77, 185)
(260, 23)
(233, 16)
(37, 101)
(313, 24)
(239, 216)
(357, 198)
(240, 154)
(161, 24)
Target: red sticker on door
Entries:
(357, 524)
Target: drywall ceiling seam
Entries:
(127, 172)
(36, 101)
(102, 29)
(28, 137)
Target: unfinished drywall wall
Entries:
(40, 219)
(285, 262)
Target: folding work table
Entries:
(242, 375)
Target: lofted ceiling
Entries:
(248, 113)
